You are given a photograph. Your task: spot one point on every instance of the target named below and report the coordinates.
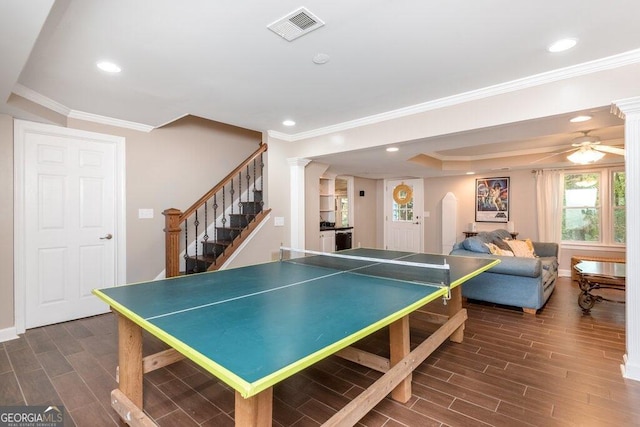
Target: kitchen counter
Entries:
(335, 228)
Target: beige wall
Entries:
(167, 167)
(6, 222)
(260, 248)
(171, 167)
(366, 214)
(278, 196)
(521, 212)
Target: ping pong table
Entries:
(252, 327)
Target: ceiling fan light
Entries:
(585, 155)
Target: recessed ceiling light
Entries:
(578, 119)
(562, 45)
(289, 123)
(392, 149)
(109, 67)
(470, 173)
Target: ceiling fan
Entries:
(587, 149)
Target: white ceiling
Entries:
(218, 60)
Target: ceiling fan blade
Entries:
(551, 155)
(609, 149)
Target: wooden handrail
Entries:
(174, 218)
(202, 200)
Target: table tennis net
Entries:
(402, 268)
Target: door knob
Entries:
(107, 237)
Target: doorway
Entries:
(69, 222)
(404, 205)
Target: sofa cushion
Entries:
(475, 244)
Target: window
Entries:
(403, 211)
(343, 210)
(594, 207)
(618, 205)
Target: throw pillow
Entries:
(520, 248)
(475, 244)
(495, 250)
(501, 243)
(530, 244)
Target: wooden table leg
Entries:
(130, 360)
(453, 306)
(255, 411)
(400, 346)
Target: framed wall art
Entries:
(492, 199)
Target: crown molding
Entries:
(40, 99)
(55, 106)
(95, 118)
(602, 64)
(280, 135)
(611, 62)
(622, 107)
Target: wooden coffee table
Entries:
(593, 275)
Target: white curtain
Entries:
(549, 204)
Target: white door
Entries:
(404, 204)
(69, 221)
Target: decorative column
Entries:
(629, 110)
(297, 199)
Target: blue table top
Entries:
(254, 326)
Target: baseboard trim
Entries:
(8, 334)
(564, 273)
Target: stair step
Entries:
(198, 265)
(227, 233)
(214, 247)
(251, 207)
(240, 220)
(216, 250)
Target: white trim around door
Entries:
(22, 130)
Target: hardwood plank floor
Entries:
(558, 368)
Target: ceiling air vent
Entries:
(296, 24)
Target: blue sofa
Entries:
(516, 281)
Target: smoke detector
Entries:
(296, 24)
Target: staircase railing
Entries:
(216, 219)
